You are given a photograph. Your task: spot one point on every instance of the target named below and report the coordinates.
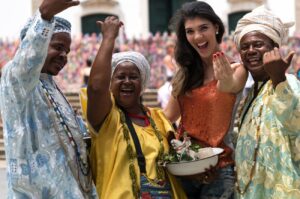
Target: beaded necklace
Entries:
(257, 143)
(132, 156)
(83, 166)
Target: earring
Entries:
(217, 32)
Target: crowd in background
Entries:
(84, 47)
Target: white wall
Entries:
(13, 15)
(136, 19)
(285, 9)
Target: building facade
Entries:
(143, 16)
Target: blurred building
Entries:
(238, 8)
(144, 16)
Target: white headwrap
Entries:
(263, 21)
(137, 59)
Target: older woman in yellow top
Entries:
(115, 114)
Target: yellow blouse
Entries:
(109, 159)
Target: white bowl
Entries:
(185, 168)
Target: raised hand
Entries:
(276, 66)
(222, 67)
(49, 8)
(110, 27)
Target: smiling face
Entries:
(253, 46)
(58, 49)
(126, 85)
(201, 34)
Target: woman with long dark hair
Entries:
(204, 94)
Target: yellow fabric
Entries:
(109, 159)
(83, 102)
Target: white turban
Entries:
(137, 59)
(263, 21)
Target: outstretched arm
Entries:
(23, 72)
(231, 77)
(172, 110)
(49, 8)
(99, 99)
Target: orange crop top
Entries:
(206, 115)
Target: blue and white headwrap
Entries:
(137, 59)
(61, 25)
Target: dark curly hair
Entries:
(191, 73)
